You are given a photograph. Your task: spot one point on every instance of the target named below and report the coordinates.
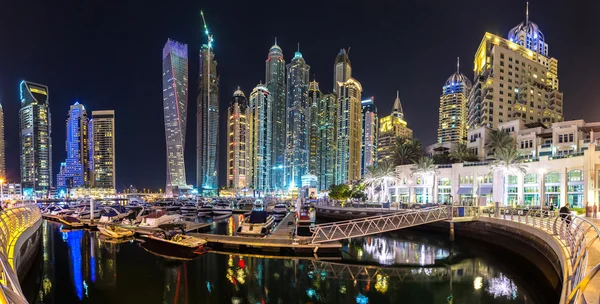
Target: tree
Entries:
(461, 153)
(381, 176)
(499, 139)
(507, 162)
(407, 151)
(339, 192)
(443, 158)
(425, 167)
(358, 192)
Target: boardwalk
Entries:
(592, 292)
(285, 228)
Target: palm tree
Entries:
(382, 175)
(462, 153)
(425, 167)
(499, 139)
(407, 151)
(507, 162)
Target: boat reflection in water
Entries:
(384, 269)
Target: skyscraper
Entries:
(260, 139)
(275, 82)
(369, 137)
(207, 128)
(75, 172)
(349, 132)
(327, 143)
(314, 96)
(342, 70)
(391, 128)
(238, 142)
(515, 79)
(2, 147)
(35, 139)
(102, 150)
(296, 152)
(175, 99)
(453, 108)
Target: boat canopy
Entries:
(257, 217)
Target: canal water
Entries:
(78, 266)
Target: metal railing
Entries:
(577, 234)
(13, 222)
(376, 224)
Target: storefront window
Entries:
(422, 195)
(553, 177)
(530, 179)
(444, 195)
(575, 176)
(550, 189)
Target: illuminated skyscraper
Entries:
(260, 138)
(35, 139)
(391, 128)
(238, 142)
(327, 144)
(175, 99)
(296, 152)
(207, 128)
(369, 137)
(515, 79)
(2, 147)
(453, 108)
(275, 82)
(342, 70)
(314, 96)
(75, 172)
(102, 150)
(349, 132)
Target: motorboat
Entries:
(57, 210)
(114, 214)
(136, 216)
(222, 208)
(70, 221)
(84, 212)
(174, 206)
(189, 208)
(304, 222)
(258, 223)
(205, 208)
(115, 231)
(170, 241)
(159, 217)
(280, 210)
(258, 205)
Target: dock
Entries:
(189, 226)
(285, 228)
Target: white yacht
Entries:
(159, 217)
(222, 208)
(259, 223)
(189, 208)
(114, 214)
(84, 212)
(205, 208)
(280, 210)
(258, 205)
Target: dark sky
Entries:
(107, 54)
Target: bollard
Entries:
(451, 231)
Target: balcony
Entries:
(546, 145)
(566, 155)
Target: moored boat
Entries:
(258, 223)
(114, 214)
(280, 210)
(70, 221)
(205, 208)
(222, 208)
(170, 241)
(159, 217)
(115, 231)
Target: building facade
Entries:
(326, 141)
(260, 114)
(175, 99)
(515, 79)
(238, 142)
(76, 169)
(391, 128)
(452, 126)
(207, 128)
(369, 137)
(349, 132)
(102, 150)
(35, 139)
(275, 82)
(314, 96)
(296, 147)
(342, 69)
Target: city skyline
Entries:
(513, 14)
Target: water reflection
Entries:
(415, 270)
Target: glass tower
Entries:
(314, 95)
(369, 137)
(102, 149)
(349, 132)
(275, 82)
(260, 139)
(238, 145)
(175, 99)
(75, 172)
(342, 69)
(35, 139)
(207, 136)
(326, 134)
(453, 108)
(296, 152)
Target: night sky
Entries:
(108, 56)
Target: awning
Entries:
(402, 190)
(484, 190)
(465, 190)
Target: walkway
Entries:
(592, 293)
(285, 228)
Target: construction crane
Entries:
(208, 34)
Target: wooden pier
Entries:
(285, 228)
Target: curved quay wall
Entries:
(20, 239)
(542, 232)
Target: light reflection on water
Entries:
(103, 272)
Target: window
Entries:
(530, 179)
(486, 179)
(531, 189)
(552, 189)
(553, 177)
(575, 176)
(466, 179)
(444, 182)
(513, 180)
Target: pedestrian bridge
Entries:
(336, 231)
